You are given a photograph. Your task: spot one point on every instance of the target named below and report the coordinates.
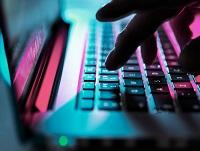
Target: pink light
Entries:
(170, 34)
(44, 95)
(27, 61)
(195, 27)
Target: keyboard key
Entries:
(102, 65)
(166, 45)
(136, 103)
(185, 94)
(132, 61)
(90, 63)
(189, 105)
(88, 85)
(104, 71)
(108, 95)
(108, 105)
(157, 80)
(163, 102)
(171, 57)
(154, 67)
(135, 91)
(91, 56)
(171, 52)
(176, 71)
(132, 75)
(87, 94)
(89, 77)
(183, 85)
(86, 104)
(180, 78)
(90, 70)
(155, 74)
(108, 78)
(109, 86)
(197, 78)
(172, 64)
(133, 82)
(160, 89)
(130, 68)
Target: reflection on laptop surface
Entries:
(64, 91)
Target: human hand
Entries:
(140, 31)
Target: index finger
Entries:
(141, 27)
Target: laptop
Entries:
(64, 91)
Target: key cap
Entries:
(130, 68)
(108, 105)
(157, 80)
(136, 103)
(132, 61)
(90, 63)
(132, 75)
(160, 89)
(180, 78)
(88, 86)
(172, 64)
(102, 65)
(90, 70)
(185, 94)
(108, 78)
(88, 94)
(109, 86)
(133, 82)
(163, 102)
(108, 95)
(135, 91)
(176, 71)
(183, 85)
(104, 71)
(189, 105)
(102, 58)
(197, 78)
(154, 67)
(155, 74)
(166, 45)
(169, 53)
(91, 56)
(86, 104)
(89, 77)
(171, 57)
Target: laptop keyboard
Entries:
(136, 87)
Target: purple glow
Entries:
(195, 27)
(27, 61)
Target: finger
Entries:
(189, 57)
(117, 9)
(149, 50)
(181, 26)
(140, 27)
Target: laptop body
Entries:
(109, 124)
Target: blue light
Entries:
(3, 62)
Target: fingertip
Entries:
(189, 58)
(111, 62)
(103, 14)
(100, 14)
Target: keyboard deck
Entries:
(136, 87)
